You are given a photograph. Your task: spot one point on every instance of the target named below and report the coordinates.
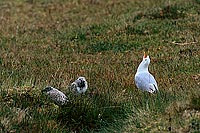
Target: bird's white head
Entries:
(81, 78)
(144, 64)
(83, 82)
(47, 89)
(80, 85)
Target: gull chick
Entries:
(79, 86)
(143, 79)
(55, 95)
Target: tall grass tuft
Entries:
(91, 112)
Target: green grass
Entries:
(45, 42)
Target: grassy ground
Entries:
(46, 42)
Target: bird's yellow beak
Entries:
(145, 55)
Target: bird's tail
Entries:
(153, 88)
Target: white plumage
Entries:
(143, 79)
(79, 86)
(55, 95)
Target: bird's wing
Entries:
(56, 94)
(143, 80)
(153, 82)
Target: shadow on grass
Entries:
(102, 46)
(91, 113)
(84, 113)
(166, 12)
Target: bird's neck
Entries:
(142, 68)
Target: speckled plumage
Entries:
(143, 79)
(55, 95)
(79, 86)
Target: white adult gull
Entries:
(79, 86)
(55, 95)
(143, 79)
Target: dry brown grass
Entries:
(46, 43)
